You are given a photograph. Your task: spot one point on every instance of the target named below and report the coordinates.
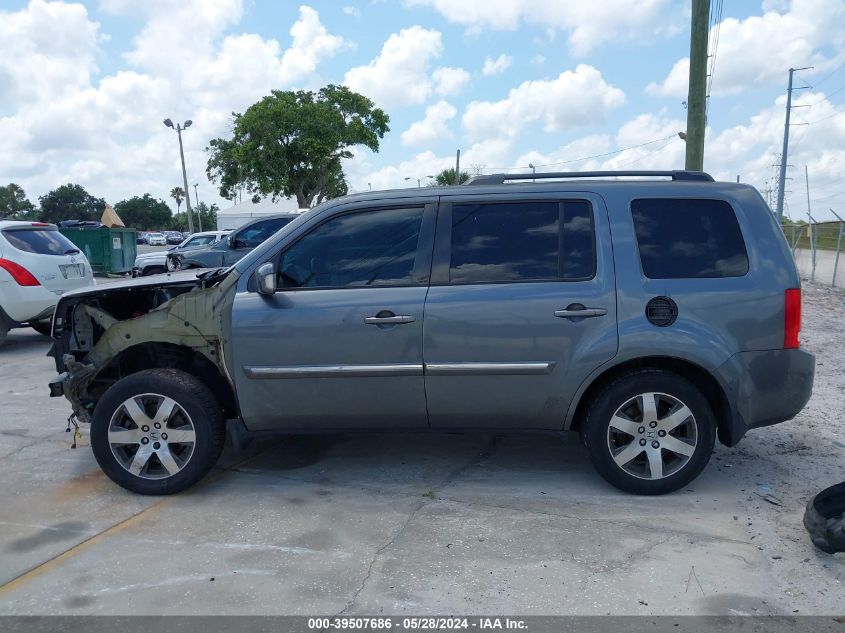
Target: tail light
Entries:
(20, 274)
(792, 320)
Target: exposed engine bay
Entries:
(105, 333)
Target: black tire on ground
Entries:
(190, 394)
(42, 327)
(594, 430)
(4, 330)
(153, 270)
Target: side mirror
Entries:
(265, 278)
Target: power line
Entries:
(578, 160)
(715, 29)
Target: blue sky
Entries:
(85, 86)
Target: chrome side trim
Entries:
(490, 369)
(333, 371)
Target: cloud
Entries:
(60, 121)
(574, 98)
(588, 24)
(433, 127)
(496, 66)
(355, 12)
(449, 81)
(757, 51)
(399, 74)
(47, 51)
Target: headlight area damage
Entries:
(106, 333)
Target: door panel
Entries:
(496, 354)
(307, 359)
(339, 345)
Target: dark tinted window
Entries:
(687, 238)
(41, 241)
(373, 248)
(260, 231)
(521, 241)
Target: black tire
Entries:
(604, 405)
(193, 397)
(42, 327)
(153, 270)
(4, 330)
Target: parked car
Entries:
(37, 264)
(174, 237)
(156, 262)
(156, 239)
(652, 316)
(235, 246)
(141, 237)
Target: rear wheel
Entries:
(4, 330)
(158, 431)
(649, 432)
(42, 327)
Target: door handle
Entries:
(583, 313)
(388, 320)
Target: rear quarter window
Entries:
(684, 238)
(40, 241)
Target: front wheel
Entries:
(158, 431)
(649, 432)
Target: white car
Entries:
(37, 264)
(156, 262)
(156, 239)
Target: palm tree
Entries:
(447, 177)
(178, 194)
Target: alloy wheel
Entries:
(151, 436)
(652, 435)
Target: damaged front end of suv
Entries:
(106, 333)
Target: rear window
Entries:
(40, 241)
(683, 238)
(522, 241)
(260, 231)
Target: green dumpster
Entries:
(110, 251)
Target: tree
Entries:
(178, 194)
(207, 216)
(70, 202)
(291, 144)
(144, 212)
(14, 204)
(447, 177)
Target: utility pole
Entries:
(458, 168)
(197, 201)
(783, 155)
(697, 96)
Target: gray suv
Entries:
(651, 316)
(229, 250)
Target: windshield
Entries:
(41, 241)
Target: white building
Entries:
(236, 216)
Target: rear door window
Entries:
(522, 241)
(685, 238)
(41, 241)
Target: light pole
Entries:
(179, 129)
(197, 202)
(419, 180)
(533, 171)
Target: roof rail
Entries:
(498, 179)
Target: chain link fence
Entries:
(817, 250)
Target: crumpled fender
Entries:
(193, 319)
